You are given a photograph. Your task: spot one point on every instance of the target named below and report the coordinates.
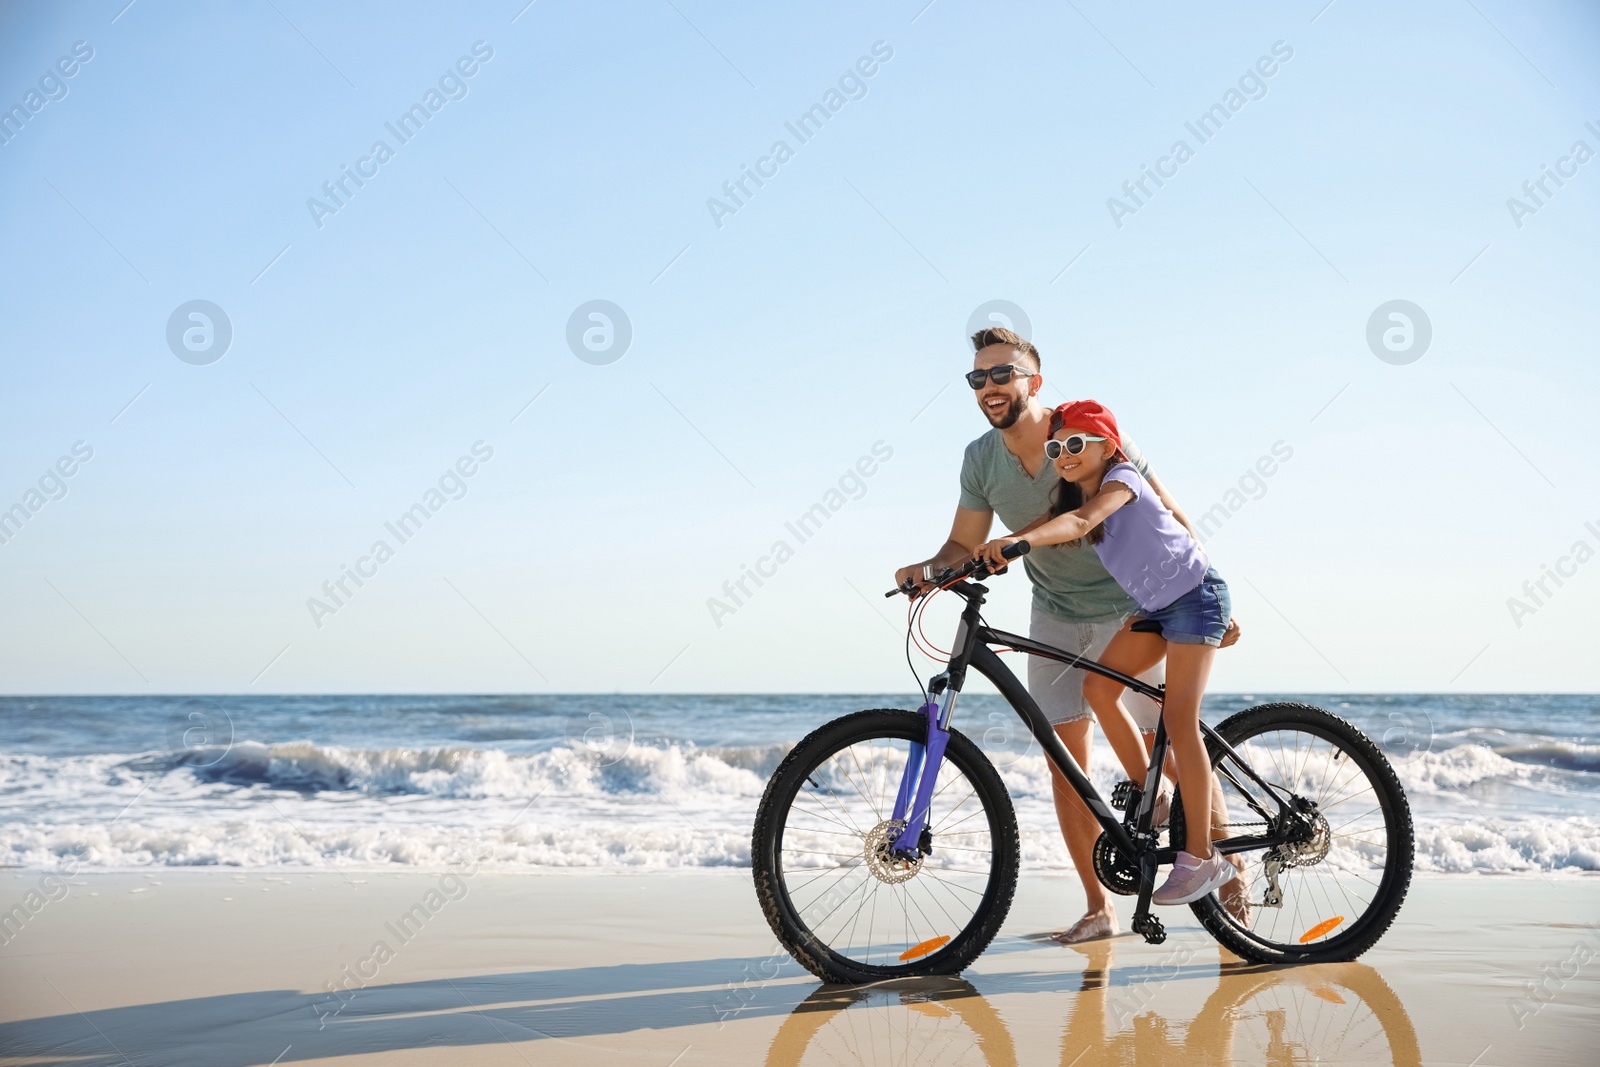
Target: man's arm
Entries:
(1171, 504)
(970, 529)
(1142, 465)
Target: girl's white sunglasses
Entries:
(1072, 445)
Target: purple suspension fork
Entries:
(922, 771)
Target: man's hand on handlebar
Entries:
(911, 580)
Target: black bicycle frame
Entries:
(973, 638)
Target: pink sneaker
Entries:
(1193, 878)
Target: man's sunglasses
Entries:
(1072, 445)
(997, 375)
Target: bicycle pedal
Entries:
(1125, 796)
(1151, 929)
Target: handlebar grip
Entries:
(1021, 548)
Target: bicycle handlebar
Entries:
(972, 568)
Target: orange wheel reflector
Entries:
(931, 945)
(1324, 993)
(930, 1009)
(1321, 928)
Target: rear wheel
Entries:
(843, 907)
(1331, 893)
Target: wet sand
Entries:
(220, 968)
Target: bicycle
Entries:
(894, 812)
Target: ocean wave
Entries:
(1561, 755)
(471, 773)
(675, 768)
(1459, 768)
(1488, 845)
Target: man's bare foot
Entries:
(1235, 895)
(1162, 815)
(1092, 927)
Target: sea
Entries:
(1499, 784)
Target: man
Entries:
(1077, 606)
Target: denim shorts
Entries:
(1198, 617)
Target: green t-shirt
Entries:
(1068, 582)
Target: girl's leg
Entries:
(1132, 654)
(1188, 668)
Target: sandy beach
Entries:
(486, 489)
(217, 967)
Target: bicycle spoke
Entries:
(951, 813)
(1333, 787)
(837, 800)
(825, 814)
(872, 895)
(956, 885)
(824, 871)
(866, 883)
(965, 818)
(876, 808)
(1353, 818)
(812, 852)
(1358, 784)
(835, 833)
(851, 779)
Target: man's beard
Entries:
(1008, 418)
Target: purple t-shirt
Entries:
(1146, 549)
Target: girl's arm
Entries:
(1032, 526)
(1060, 528)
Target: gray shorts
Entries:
(1058, 690)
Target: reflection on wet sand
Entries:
(923, 1020)
(1342, 1012)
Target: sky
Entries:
(356, 351)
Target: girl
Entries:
(1103, 498)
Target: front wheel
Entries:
(846, 909)
(1331, 891)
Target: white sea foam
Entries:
(661, 806)
(1492, 845)
(264, 844)
(1504, 845)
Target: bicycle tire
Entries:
(1353, 937)
(804, 763)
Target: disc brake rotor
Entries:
(884, 866)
